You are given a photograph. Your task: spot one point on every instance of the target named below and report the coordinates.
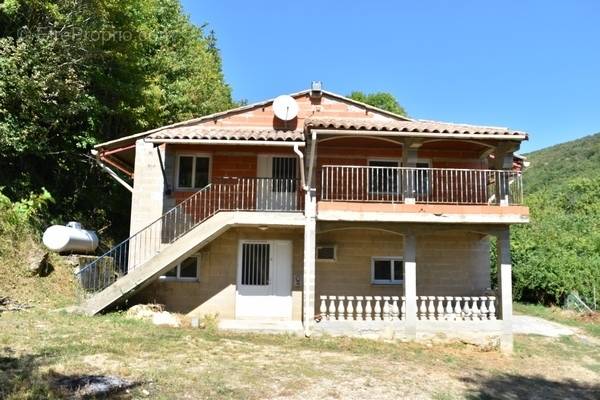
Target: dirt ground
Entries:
(37, 347)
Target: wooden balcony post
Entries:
(308, 290)
(410, 285)
(504, 269)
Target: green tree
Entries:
(385, 101)
(77, 72)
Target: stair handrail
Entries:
(231, 194)
(120, 260)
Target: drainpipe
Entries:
(111, 172)
(301, 157)
(313, 145)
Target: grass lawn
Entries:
(37, 347)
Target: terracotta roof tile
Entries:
(413, 126)
(221, 133)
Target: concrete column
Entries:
(503, 160)
(504, 269)
(308, 290)
(410, 284)
(148, 186)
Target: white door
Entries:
(264, 282)
(277, 184)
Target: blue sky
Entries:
(529, 65)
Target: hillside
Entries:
(559, 251)
(554, 166)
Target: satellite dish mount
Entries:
(285, 108)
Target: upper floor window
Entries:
(284, 173)
(193, 171)
(384, 178)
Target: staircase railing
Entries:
(225, 194)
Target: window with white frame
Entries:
(193, 171)
(187, 270)
(387, 270)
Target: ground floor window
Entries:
(187, 270)
(387, 270)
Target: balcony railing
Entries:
(420, 185)
(224, 194)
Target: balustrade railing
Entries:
(457, 308)
(390, 308)
(420, 185)
(362, 308)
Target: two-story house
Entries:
(320, 213)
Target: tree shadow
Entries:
(20, 377)
(513, 387)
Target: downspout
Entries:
(313, 145)
(111, 172)
(301, 157)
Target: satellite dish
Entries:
(285, 107)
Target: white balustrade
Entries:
(391, 308)
(457, 308)
(362, 308)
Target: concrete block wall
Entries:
(350, 274)
(148, 187)
(214, 293)
(453, 263)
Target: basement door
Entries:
(264, 281)
(277, 183)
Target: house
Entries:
(338, 217)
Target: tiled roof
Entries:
(221, 133)
(412, 126)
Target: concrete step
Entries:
(262, 326)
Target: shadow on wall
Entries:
(185, 297)
(511, 387)
(20, 377)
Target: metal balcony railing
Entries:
(420, 185)
(224, 194)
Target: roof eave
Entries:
(230, 142)
(398, 133)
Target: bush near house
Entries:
(559, 251)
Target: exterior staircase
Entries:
(182, 231)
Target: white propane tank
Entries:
(71, 237)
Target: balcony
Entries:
(421, 194)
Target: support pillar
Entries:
(504, 271)
(308, 290)
(409, 160)
(503, 161)
(410, 285)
